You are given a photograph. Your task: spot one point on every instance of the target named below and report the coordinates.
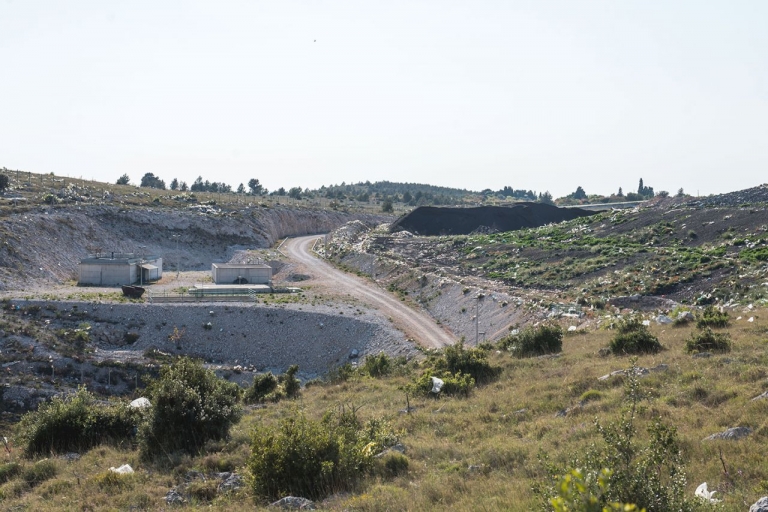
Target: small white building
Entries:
(117, 269)
(235, 273)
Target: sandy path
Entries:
(415, 324)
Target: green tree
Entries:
(579, 194)
(152, 181)
(295, 192)
(255, 187)
(241, 189)
(123, 180)
(175, 184)
(387, 207)
(546, 198)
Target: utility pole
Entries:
(141, 262)
(477, 319)
(178, 256)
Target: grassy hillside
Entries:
(482, 451)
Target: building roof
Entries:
(119, 259)
(241, 265)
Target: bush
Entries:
(453, 385)
(190, 406)
(313, 459)
(261, 388)
(634, 338)
(392, 465)
(649, 473)
(268, 388)
(712, 317)
(535, 341)
(377, 365)
(290, 383)
(8, 471)
(75, 423)
(469, 361)
(39, 472)
(708, 341)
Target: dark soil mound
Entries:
(431, 220)
(736, 199)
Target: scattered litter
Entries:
(437, 384)
(125, 469)
(703, 493)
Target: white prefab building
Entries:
(117, 269)
(232, 273)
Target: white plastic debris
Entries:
(751, 319)
(647, 323)
(140, 403)
(663, 319)
(703, 493)
(437, 384)
(572, 328)
(125, 469)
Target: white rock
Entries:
(140, 403)
(572, 328)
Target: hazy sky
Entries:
(543, 95)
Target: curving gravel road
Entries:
(415, 324)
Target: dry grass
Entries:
(481, 453)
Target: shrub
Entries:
(708, 341)
(75, 423)
(453, 385)
(535, 341)
(261, 388)
(129, 338)
(39, 472)
(8, 471)
(190, 406)
(469, 361)
(712, 317)
(313, 459)
(377, 365)
(290, 383)
(111, 482)
(392, 465)
(634, 338)
(591, 395)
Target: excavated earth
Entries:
(433, 220)
(55, 335)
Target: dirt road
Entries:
(415, 324)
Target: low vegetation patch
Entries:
(627, 468)
(708, 341)
(269, 388)
(313, 459)
(712, 317)
(75, 423)
(535, 341)
(632, 337)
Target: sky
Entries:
(536, 95)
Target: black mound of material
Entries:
(432, 220)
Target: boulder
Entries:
(293, 502)
(731, 434)
(760, 505)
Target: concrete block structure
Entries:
(232, 273)
(117, 269)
